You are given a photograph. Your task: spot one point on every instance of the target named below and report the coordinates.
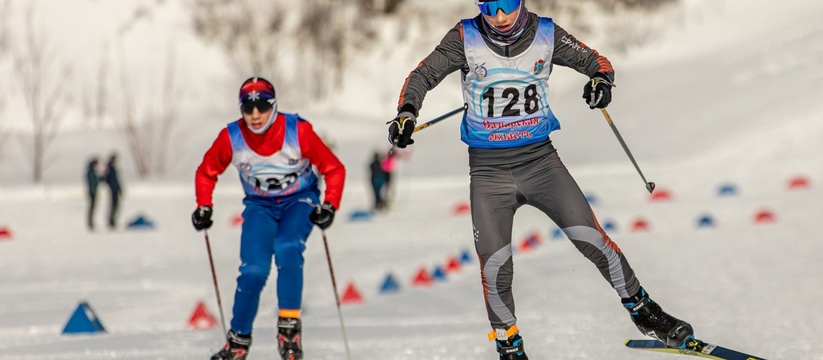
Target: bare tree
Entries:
(322, 54)
(94, 92)
(250, 32)
(167, 115)
(134, 129)
(41, 81)
(5, 7)
(149, 126)
(102, 98)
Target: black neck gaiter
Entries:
(508, 37)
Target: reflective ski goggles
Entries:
(247, 107)
(490, 7)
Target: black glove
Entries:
(323, 215)
(401, 129)
(201, 218)
(598, 91)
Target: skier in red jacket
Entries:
(275, 154)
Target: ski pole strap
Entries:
(501, 334)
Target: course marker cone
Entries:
(438, 274)
(83, 320)
(351, 295)
(609, 226)
(237, 220)
(5, 233)
(661, 195)
(452, 265)
(764, 217)
(558, 234)
(640, 225)
(727, 190)
(462, 209)
(705, 221)
(799, 182)
(390, 285)
(422, 278)
(465, 257)
(201, 318)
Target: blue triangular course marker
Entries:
(727, 190)
(360, 215)
(591, 199)
(389, 285)
(84, 320)
(609, 226)
(465, 257)
(705, 221)
(141, 223)
(438, 274)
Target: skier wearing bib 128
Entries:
(505, 55)
(274, 153)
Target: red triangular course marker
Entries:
(201, 318)
(5, 233)
(798, 183)
(422, 278)
(462, 208)
(640, 225)
(764, 216)
(351, 295)
(452, 265)
(661, 195)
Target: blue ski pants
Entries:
(276, 229)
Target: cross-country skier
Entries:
(274, 153)
(505, 56)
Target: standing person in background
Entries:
(116, 190)
(92, 181)
(505, 56)
(378, 181)
(274, 153)
(388, 164)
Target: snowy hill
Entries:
(729, 96)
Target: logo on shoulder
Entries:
(480, 70)
(538, 66)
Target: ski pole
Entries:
(432, 122)
(214, 280)
(649, 185)
(336, 295)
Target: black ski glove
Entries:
(323, 215)
(401, 129)
(598, 91)
(201, 218)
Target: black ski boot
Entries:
(288, 338)
(651, 320)
(237, 347)
(510, 348)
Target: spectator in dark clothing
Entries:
(378, 180)
(116, 190)
(92, 180)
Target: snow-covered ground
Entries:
(731, 97)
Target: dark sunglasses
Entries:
(262, 106)
(490, 7)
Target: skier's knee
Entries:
(289, 254)
(253, 277)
